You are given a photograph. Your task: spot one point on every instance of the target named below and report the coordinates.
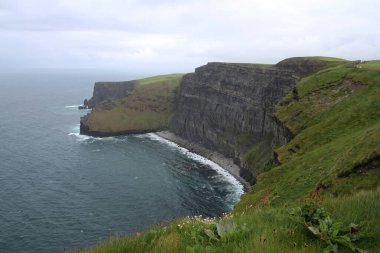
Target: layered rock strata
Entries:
(229, 108)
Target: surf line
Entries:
(227, 176)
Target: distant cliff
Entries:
(138, 106)
(109, 90)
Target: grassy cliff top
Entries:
(321, 58)
(175, 78)
(148, 108)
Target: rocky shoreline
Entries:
(84, 130)
(226, 163)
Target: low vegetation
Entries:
(335, 116)
(148, 107)
(334, 233)
(265, 229)
(332, 166)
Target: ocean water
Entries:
(62, 191)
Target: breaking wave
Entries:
(223, 174)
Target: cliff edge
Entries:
(229, 107)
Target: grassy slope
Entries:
(336, 119)
(259, 157)
(265, 230)
(335, 115)
(148, 107)
(326, 59)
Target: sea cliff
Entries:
(225, 107)
(329, 165)
(229, 107)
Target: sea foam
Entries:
(226, 176)
(237, 189)
(80, 137)
(90, 139)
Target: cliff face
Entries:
(109, 90)
(229, 107)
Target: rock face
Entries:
(226, 107)
(109, 90)
(229, 107)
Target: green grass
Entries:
(260, 156)
(332, 160)
(324, 58)
(317, 62)
(149, 107)
(370, 65)
(159, 79)
(266, 229)
(336, 119)
(313, 95)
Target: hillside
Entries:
(335, 117)
(147, 107)
(332, 161)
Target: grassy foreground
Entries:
(333, 160)
(148, 107)
(266, 229)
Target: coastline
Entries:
(216, 157)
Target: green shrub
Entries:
(334, 233)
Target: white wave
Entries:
(81, 137)
(91, 139)
(238, 187)
(76, 107)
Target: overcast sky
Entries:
(178, 35)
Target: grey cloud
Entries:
(180, 35)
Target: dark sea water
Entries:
(62, 191)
